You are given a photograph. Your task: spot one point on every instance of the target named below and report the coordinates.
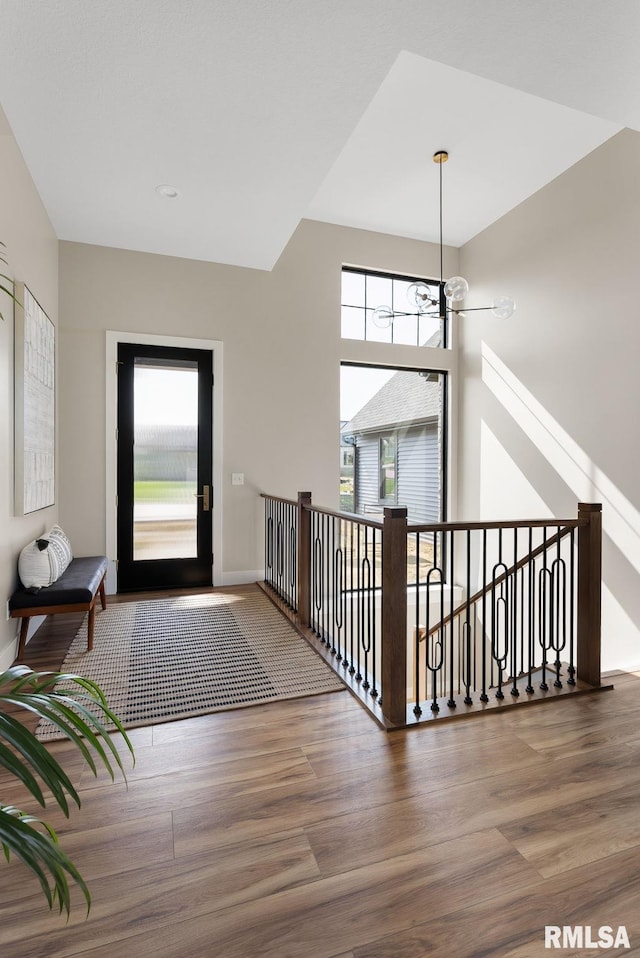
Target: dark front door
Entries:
(165, 399)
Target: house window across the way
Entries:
(387, 465)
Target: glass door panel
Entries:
(165, 460)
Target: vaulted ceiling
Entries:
(262, 112)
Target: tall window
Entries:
(393, 424)
(363, 292)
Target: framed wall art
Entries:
(35, 405)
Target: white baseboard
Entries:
(242, 578)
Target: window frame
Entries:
(388, 500)
(402, 307)
(445, 451)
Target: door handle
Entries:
(204, 495)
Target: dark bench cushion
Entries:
(78, 583)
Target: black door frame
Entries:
(166, 573)
(216, 347)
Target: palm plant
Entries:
(79, 710)
(3, 278)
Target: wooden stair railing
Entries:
(342, 579)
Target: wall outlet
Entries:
(237, 478)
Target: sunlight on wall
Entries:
(503, 484)
(504, 488)
(620, 518)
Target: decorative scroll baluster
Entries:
(417, 711)
(559, 584)
(483, 694)
(374, 638)
(572, 564)
(317, 573)
(545, 619)
(466, 628)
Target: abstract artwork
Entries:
(35, 407)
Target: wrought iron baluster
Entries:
(514, 617)
(416, 635)
(559, 586)
(366, 609)
(269, 545)
(360, 603)
(531, 568)
(500, 613)
(572, 598)
(545, 622)
(338, 606)
(352, 599)
(466, 630)
(451, 701)
(374, 637)
(317, 576)
(434, 651)
(294, 557)
(483, 695)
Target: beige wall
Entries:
(550, 398)
(282, 350)
(32, 250)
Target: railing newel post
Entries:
(589, 592)
(394, 615)
(304, 560)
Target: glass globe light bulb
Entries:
(382, 317)
(456, 289)
(503, 307)
(419, 295)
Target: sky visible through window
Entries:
(357, 386)
(166, 396)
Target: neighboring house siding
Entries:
(418, 473)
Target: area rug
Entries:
(174, 658)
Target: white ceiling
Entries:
(262, 113)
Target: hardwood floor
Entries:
(301, 830)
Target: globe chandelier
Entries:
(420, 295)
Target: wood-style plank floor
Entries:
(300, 829)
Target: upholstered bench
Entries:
(76, 590)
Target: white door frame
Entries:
(146, 339)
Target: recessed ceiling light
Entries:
(169, 192)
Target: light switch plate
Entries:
(237, 478)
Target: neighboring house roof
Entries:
(407, 397)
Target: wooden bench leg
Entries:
(103, 598)
(92, 618)
(24, 628)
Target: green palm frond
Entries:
(77, 707)
(40, 851)
(8, 289)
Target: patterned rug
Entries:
(174, 658)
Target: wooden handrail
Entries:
(437, 526)
(348, 516)
(547, 544)
(289, 502)
(501, 524)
